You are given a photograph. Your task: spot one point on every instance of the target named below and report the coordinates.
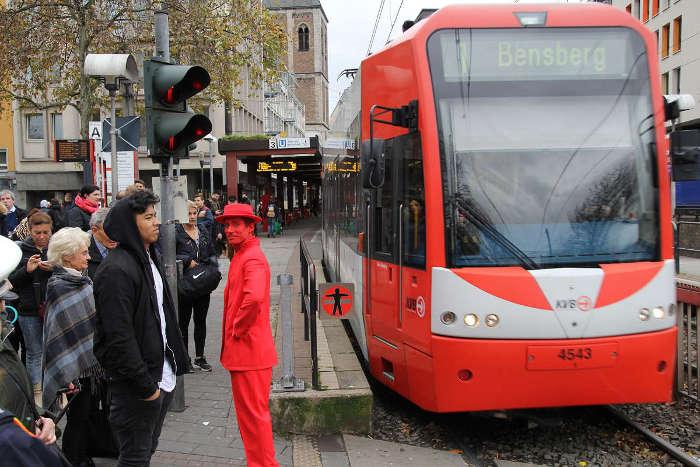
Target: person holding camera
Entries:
(194, 248)
(29, 280)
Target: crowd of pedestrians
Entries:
(97, 333)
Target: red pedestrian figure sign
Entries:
(336, 298)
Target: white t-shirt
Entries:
(167, 381)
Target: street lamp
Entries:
(112, 69)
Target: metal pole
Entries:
(211, 168)
(167, 232)
(288, 382)
(162, 32)
(167, 209)
(113, 142)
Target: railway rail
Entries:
(674, 451)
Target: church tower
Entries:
(307, 57)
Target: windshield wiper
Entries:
(482, 225)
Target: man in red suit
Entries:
(247, 348)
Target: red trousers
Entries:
(251, 396)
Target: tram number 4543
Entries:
(581, 353)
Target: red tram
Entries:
(508, 221)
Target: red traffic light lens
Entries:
(197, 85)
(170, 95)
(199, 132)
(171, 143)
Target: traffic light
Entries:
(171, 128)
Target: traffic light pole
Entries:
(167, 229)
(113, 141)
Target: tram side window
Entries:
(413, 200)
(384, 214)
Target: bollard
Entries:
(178, 402)
(288, 382)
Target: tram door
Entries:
(384, 280)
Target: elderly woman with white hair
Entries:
(68, 334)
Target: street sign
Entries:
(339, 144)
(126, 166)
(72, 150)
(289, 143)
(277, 166)
(128, 133)
(336, 298)
(95, 130)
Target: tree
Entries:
(45, 42)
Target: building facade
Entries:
(284, 113)
(676, 24)
(307, 57)
(7, 159)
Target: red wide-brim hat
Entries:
(237, 210)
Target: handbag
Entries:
(200, 280)
(101, 440)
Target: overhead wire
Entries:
(394, 22)
(376, 25)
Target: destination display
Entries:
(277, 166)
(492, 55)
(72, 150)
(342, 166)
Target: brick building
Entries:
(307, 57)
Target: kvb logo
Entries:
(582, 303)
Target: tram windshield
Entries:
(547, 146)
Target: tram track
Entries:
(561, 436)
(674, 451)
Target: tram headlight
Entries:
(471, 320)
(644, 314)
(492, 320)
(658, 312)
(448, 318)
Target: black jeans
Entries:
(137, 424)
(200, 306)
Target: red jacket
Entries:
(247, 338)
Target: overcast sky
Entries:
(350, 25)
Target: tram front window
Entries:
(547, 146)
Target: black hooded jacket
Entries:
(128, 342)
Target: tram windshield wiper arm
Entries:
(482, 225)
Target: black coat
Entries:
(31, 287)
(128, 342)
(78, 218)
(188, 250)
(58, 217)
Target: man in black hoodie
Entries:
(137, 339)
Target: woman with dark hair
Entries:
(193, 246)
(87, 202)
(29, 280)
